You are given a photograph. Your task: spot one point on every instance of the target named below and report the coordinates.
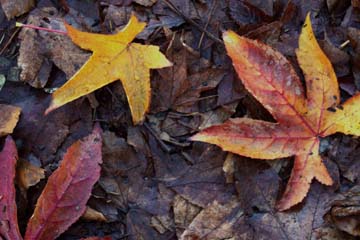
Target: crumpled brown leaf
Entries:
(9, 116)
(39, 50)
(146, 3)
(147, 201)
(46, 138)
(179, 87)
(28, 174)
(218, 221)
(345, 213)
(14, 8)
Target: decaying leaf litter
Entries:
(154, 183)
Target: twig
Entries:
(9, 41)
(195, 24)
(161, 142)
(212, 8)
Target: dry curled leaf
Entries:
(91, 214)
(9, 116)
(14, 8)
(301, 121)
(28, 175)
(8, 214)
(64, 197)
(217, 221)
(114, 57)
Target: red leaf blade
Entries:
(68, 189)
(270, 78)
(306, 168)
(256, 138)
(8, 212)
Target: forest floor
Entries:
(155, 183)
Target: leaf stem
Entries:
(17, 24)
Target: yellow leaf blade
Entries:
(96, 41)
(89, 78)
(321, 82)
(345, 119)
(114, 57)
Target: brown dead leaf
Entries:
(45, 139)
(257, 184)
(91, 214)
(139, 226)
(98, 238)
(344, 151)
(14, 8)
(148, 201)
(218, 221)
(346, 213)
(184, 213)
(39, 50)
(27, 174)
(9, 116)
(200, 183)
(146, 3)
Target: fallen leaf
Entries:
(184, 213)
(247, 15)
(180, 86)
(201, 183)
(345, 214)
(14, 8)
(355, 3)
(97, 238)
(146, 3)
(218, 221)
(114, 57)
(143, 197)
(27, 174)
(8, 214)
(46, 138)
(41, 50)
(301, 121)
(64, 197)
(91, 214)
(8, 118)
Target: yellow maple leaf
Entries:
(114, 58)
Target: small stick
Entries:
(9, 41)
(344, 44)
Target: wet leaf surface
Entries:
(270, 78)
(128, 62)
(155, 183)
